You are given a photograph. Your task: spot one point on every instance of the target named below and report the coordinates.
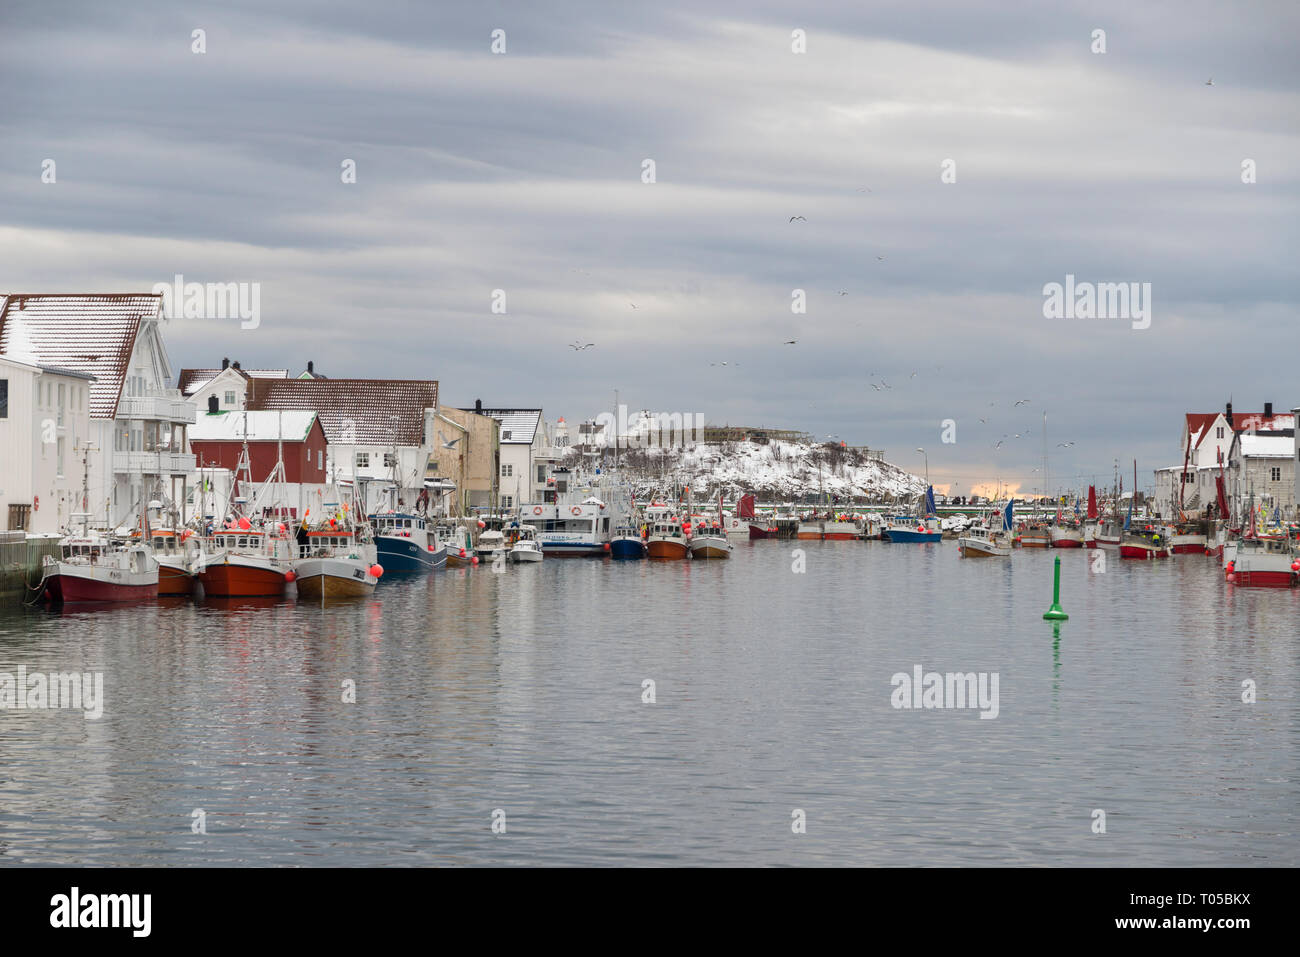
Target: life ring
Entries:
(537, 510)
(575, 510)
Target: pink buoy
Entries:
(474, 560)
(290, 575)
(377, 570)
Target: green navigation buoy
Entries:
(1055, 613)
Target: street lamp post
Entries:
(927, 465)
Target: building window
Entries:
(1277, 474)
(61, 440)
(320, 458)
(230, 399)
(363, 460)
(507, 501)
(507, 471)
(390, 460)
(62, 399)
(1218, 433)
(4, 398)
(541, 474)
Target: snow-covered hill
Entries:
(777, 471)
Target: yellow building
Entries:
(467, 452)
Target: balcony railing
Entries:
(165, 405)
(153, 463)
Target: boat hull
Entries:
(406, 555)
(173, 580)
(334, 578)
(525, 555)
(100, 586)
(1263, 578)
(1141, 552)
(757, 532)
(666, 550)
(235, 579)
(711, 548)
(904, 536)
(1067, 538)
(627, 548)
(978, 548)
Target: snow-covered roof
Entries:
(518, 426)
(1267, 446)
(292, 425)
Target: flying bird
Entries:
(876, 387)
(999, 445)
(632, 304)
(912, 376)
(1064, 445)
(790, 342)
(800, 218)
(864, 189)
(577, 345)
(1020, 402)
(881, 258)
(446, 444)
(984, 422)
(843, 293)
(1210, 82)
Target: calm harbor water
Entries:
(522, 691)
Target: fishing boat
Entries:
(407, 542)
(1186, 537)
(1066, 533)
(1264, 562)
(489, 544)
(337, 560)
(708, 538)
(1144, 543)
(990, 540)
(666, 539)
(627, 543)
(458, 543)
(178, 556)
(909, 529)
(246, 557)
(94, 568)
(525, 547)
(1090, 520)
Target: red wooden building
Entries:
(217, 438)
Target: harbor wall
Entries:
(21, 560)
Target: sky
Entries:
(948, 160)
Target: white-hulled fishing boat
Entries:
(526, 548)
(337, 556)
(990, 540)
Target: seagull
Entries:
(912, 376)
(632, 304)
(880, 258)
(800, 218)
(577, 345)
(790, 342)
(446, 444)
(1064, 445)
(1020, 402)
(1210, 82)
(864, 189)
(843, 293)
(885, 384)
(999, 445)
(876, 387)
(983, 421)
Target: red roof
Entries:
(353, 411)
(1241, 421)
(91, 334)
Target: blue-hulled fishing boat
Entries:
(407, 542)
(627, 542)
(903, 529)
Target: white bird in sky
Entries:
(1064, 445)
(1020, 402)
(800, 218)
(448, 445)
(577, 345)
(1210, 82)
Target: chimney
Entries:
(234, 365)
(213, 406)
(1228, 414)
(478, 406)
(311, 367)
(225, 364)
(1268, 410)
